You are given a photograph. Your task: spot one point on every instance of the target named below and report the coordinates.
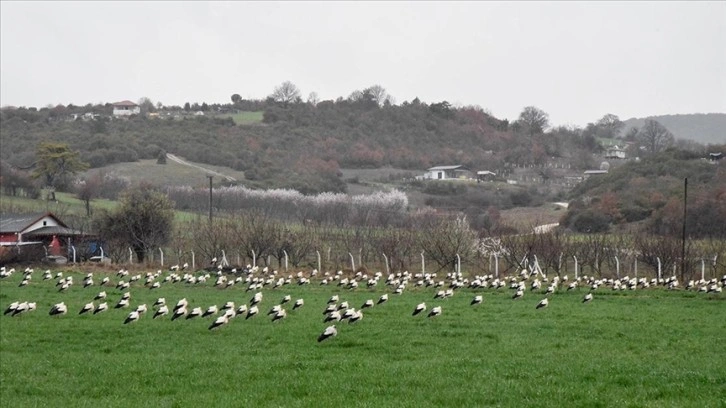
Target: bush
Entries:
(444, 188)
(590, 221)
(634, 213)
(521, 198)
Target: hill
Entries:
(648, 194)
(358, 146)
(705, 128)
(300, 145)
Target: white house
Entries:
(615, 152)
(126, 108)
(457, 172)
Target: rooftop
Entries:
(125, 103)
(447, 168)
(18, 222)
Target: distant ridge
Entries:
(700, 127)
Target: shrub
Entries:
(591, 222)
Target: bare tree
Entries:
(551, 250)
(443, 239)
(668, 250)
(286, 93)
(591, 251)
(533, 120)
(88, 190)
(655, 137)
(378, 94)
(611, 124)
(398, 245)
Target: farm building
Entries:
(589, 173)
(485, 175)
(457, 172)
(615, 152)
(126, 108)
(34, 236)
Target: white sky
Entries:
(575, 60)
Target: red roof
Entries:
(125, 103)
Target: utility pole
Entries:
(683, 238)
(210, 198)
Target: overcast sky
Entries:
(575, 60)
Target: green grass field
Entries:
(169, 174)
(649, 348)
(244, 118)
(65, 203)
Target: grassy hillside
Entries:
(244, 118)
(300, 146)
(66, 206)
(169, 174)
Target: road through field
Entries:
(179, 160)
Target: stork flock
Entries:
(336, 311)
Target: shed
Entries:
(455, 172)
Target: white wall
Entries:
(49, 222)
(126, 112)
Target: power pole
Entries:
(683, 238)
(210, 198)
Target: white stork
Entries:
(419, 308)
(330, 331)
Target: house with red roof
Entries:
(126, 108)
(29, 237)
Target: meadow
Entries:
(244, 117)
(642, 348)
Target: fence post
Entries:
(658, 259)
(162, 256)
(74, 253)
(320, 269)
(225, 262)
(423, 263)
(496, 265)
(617, 267)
